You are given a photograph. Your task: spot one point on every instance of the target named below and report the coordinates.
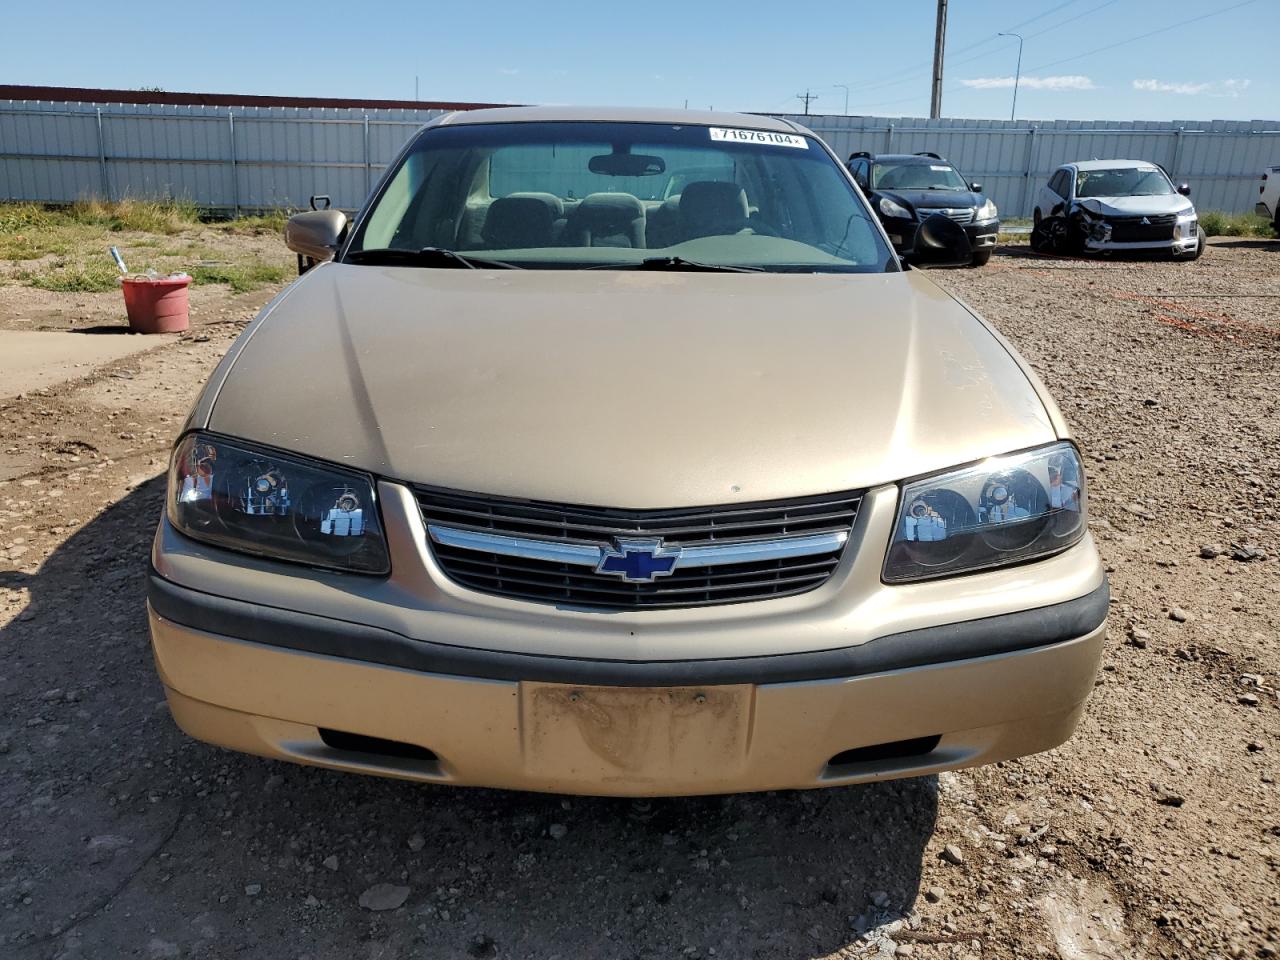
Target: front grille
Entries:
(958, 214)
(571, 585)
(1133, 230)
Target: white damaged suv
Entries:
(1104, 206)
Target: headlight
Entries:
(241, 497)
(1186, 216)
(1002, 511)
(987, 211)
(891, 209)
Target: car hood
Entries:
(935, 198)
(627, 388)
(1135, 206)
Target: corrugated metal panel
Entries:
(260, 157)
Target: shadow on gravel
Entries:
(1259, 244)
(121, 837)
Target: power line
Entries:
(951, 63)
(1075, 16)
(1040, 16)
(806, 97)
(910, 73)
(915, 73)
(1055, 26)
(1144, 36)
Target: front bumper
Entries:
(413, 676)
(1182, 245)
(582, 738)
(902, 234)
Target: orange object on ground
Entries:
(156, 305)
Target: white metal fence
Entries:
(257, 158)
(1221, 159)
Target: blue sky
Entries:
(730, 55)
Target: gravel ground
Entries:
(1154, 833)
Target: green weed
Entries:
(1215, 223)
(241, 277)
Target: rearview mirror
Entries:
(1184, 189)
(975, 187)
(316, 234)
(626, 165)
(941, 242)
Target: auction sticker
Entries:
(767, 137)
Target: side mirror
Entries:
(316, 234)
(941, 242)
(975, 187)
(1184, 189)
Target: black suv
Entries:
(906, 188)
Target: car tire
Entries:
(980, 259)
(1048, 235)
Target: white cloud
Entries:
(1214, 88)
(508, 71)
(1164, 86)
(1067, 82)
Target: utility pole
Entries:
(939, 42)
(1017, 74)
(806, 97)
(415, 88)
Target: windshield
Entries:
(1123, 182)
(915, 175)
(590, 194)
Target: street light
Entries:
(1017, 73)
(845, 88)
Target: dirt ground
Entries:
(1155, 832)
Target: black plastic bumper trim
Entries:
(293, 630)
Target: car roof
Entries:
(709, 118)
(1110, 164)
(905, 158)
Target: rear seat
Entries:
(528, 219)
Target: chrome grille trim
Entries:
(582, 555)
(579, 556)
(958, 214)
(719, 555)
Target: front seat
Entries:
(554, 204)
(608, 220)
(518, 222)
(710, 208)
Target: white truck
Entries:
(1268, 204)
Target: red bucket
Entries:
(156, 305)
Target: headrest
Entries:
(713, 201)
(553, 202)
(599, 208)
(518, 222)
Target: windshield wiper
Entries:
(425, 257)
(678, 264)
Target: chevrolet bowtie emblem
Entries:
(638, 560)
